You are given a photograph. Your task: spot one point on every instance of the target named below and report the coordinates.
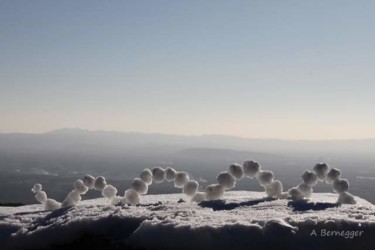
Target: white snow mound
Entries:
(242, 220)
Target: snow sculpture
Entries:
(226, 180)
(158, 175)
(41, 196)
(321, 172)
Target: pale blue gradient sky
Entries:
(280, 69)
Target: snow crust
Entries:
(242, 220)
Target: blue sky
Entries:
(274, 69)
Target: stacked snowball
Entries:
(80, 188)
(321, 172)
(273, 188)
(41, 196)
(139, 186)
(227, 180)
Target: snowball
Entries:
(340, 186)
(170, 174)
(251, 168)
(305, 189)
(80, 187)
(214, 192)
(198, 197)
(310, 178)
(100, 183)
(274, 189)
(51, 204)
(321, 170)
(181, 179)
(295, 194)
(132, 196)
(109, 191)
(146, 176)
(72, 199)
(140, 186)
(190, 188)
(283, 195)
(41, 196)
(88, 181)
(332, 175)
(236, 170)
(226, 180)
(158, 175)
(346, 198)
(116, 200)
(37, 187)
(265, 177)
(123, 200)
(74, 196)
(68, 202)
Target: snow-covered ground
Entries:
(242, 220)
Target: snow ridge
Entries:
(241, 220)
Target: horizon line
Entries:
(171, 134)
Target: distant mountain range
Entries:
(74, 139)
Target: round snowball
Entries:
(88, 181)
(100, 183)
(116, 200)
(41, 196)
(214, 192)
(346, 198)
(332, 175)
(158, 175)
(321, 170)
(265, 177)
(274, 189)
(72, 199)
(74, 196)
(37, 187)
(80, 187)
(68, 202)
(181, 179)
(170, 174)
(51, 204)
(198, 197)
(236, 170)
(251, 168)
(226, 180)
(109, 192)
(310, 178)
(306, 190)
(190, 188)
(146, 176)
(123, 200)
(140, 186)
(295, 194)
(132, 197)
(340, 186)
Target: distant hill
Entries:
(225, 154)
(76, 139)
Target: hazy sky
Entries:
(280, 69)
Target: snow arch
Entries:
(322, 173)
(226, 180)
